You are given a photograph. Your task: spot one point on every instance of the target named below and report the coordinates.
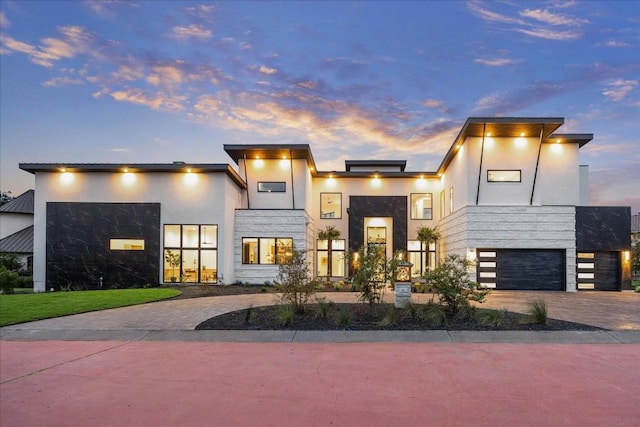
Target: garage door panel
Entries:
(526, 269)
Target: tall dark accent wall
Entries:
(603, 228)
(377, 206)
(78, 236)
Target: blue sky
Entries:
(129, 82)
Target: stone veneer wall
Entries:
(512, 227)
(267, 223)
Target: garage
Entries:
(522, 269)
(598, 271)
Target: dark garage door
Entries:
(523, 269)
(599, 271)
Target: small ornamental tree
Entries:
(373, 271)
(426, 236)
(450, 282)
(294, 284)
(330, 233)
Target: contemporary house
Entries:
(509, 194)
(16, 228)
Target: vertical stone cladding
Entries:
(273, 223)
(512, 227)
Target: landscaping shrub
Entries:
(285, 314)
(450, 282)
(344, 316)
(538, 311)
(434, 314)
(373, 272)
(294, 284)
(8, 280)
(24, 282)
(247, 314)
(496, 318)
(390, 317)
(324, 305)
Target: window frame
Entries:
(412, 205)
(276, 254)
(320, 250)
(261, 184)
(339, 211)
(181, 249)
(493, 180)
(119, 241)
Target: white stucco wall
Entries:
(198, 198)
(272, 170)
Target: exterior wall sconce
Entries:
(66, 178)
(626, 256)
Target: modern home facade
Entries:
(509, 194)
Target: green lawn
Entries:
(28, 307)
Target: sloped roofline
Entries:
(23, 204)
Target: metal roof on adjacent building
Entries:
(20, 242)
(23, 204)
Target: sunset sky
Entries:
(146, 82)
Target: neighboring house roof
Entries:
(22, 204)
(20, 242)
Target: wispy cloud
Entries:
(75, 40)
(120, 150)
(4, 21)
(495, 62)
(617, 90)
(614, 43)
(538, 23)
(153, 100)
(190, 32)
(62, 82)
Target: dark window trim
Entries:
(283, 183)
(411, 205)
(504, 170)
(276, 255)
(339, 213)
(180, 249)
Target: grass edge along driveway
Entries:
(29, 307)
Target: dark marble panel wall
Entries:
(78, 252)
(377, 206)
(601, 228)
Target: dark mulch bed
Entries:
(364, 317)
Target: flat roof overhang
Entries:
(136, 167)
(271, 151)
(501, 127)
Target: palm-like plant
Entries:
(426, 236)
(330, 233)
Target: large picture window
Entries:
(330, 205)
(421, 206)
(190, 253)
(267, 250)
(331, 259)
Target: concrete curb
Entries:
(436, 336)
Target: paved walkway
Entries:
(176, 320)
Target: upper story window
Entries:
(421, 206)
(442, 204)
(272, 187)
(450, 199)
(330, 205)
(504, 176)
